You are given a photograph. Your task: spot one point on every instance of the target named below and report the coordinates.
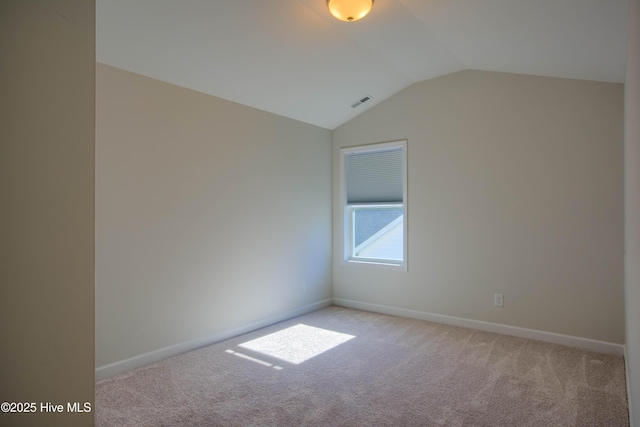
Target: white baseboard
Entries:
(551, 337)
(120, 366)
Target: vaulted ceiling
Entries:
(292, 58)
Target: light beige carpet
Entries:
(344, 367)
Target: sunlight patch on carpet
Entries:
(297, 343)
(253, 359)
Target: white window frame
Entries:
(347, 211)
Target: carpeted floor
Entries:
(376, 370)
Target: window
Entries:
(374, 189)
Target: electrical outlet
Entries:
(498, 300)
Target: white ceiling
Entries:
(292, 58)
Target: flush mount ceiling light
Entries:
(349, 10)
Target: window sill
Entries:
(374, 264)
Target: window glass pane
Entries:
(378, 233)
(373, 180)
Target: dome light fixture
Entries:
(349, 10)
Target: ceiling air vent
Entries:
(360, 102)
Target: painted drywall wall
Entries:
(210, 215)
(632, 211)
(47, 69)
(515, 187)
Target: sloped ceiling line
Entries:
(291, 58)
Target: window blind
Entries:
(374, 176)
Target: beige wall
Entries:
(632, 210)
(515, 187)
(210, 215)
(47, 68)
